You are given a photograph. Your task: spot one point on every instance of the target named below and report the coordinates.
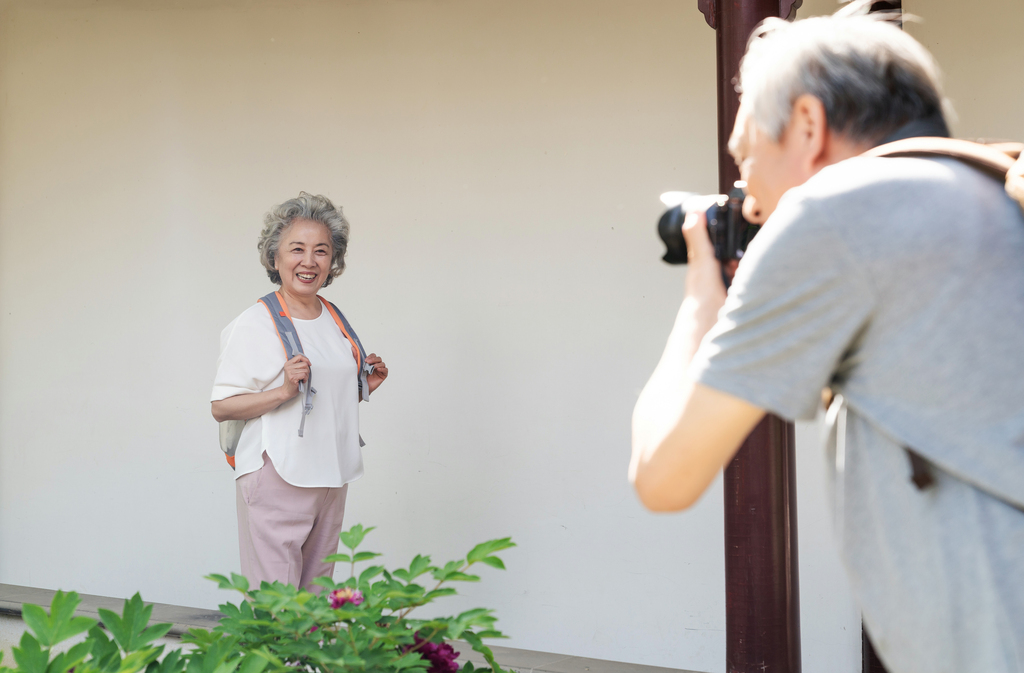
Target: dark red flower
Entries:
(440, 655)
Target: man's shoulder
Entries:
(869, 196)
(897, 179)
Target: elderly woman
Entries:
(291, 483)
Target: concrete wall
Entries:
(500, 163)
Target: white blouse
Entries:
(252, 360)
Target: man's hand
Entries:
(683, 432)
(705, 290)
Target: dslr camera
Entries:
(730, 232)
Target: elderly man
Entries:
(898, 283)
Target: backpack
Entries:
(231, 431)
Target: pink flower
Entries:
(340, 597)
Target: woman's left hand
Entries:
(380, 371)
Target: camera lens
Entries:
(670, 229)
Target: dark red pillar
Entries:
(762, 606)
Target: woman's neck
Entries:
(303, 308)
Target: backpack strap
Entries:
(1002, 161)
(274, 303)
(358, 352)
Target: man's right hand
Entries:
(705, 290)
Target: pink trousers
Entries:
(285, 531)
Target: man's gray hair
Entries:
(304, 207)
(871, 76)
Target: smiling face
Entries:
(304, 258)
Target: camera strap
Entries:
(1001, 161)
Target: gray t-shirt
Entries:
(899, 283)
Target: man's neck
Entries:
(933, 126)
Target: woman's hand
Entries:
(380, 371)
(296, 370)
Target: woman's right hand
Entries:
(295, 371)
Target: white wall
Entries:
(500, 163)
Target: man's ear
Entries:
(809, 132)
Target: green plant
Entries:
(128, 650)
(362, 624)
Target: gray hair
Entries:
(304, 207)
(871, 76)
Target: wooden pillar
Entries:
(762, 603)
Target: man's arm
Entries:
(684, 432)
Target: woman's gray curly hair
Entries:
(304, 207)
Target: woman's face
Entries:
(304, 257)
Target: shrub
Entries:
(362, 624)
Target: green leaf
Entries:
(38, 622)
(338, 558)
(60, 624)
(370, 573)
(441, 592)
(365, 556)
(138, 660)
(154, 632)
(478, 646)
(129, 629)
(491, 633)
(254, 662)
(420, 564)
(237, 582)
(30, 657)
(353, 537)
(485, 549)
(240, 582)
(172, 663)
(73, 657)
(327, 583)
(494, 562)
(105, 652)
(407, 661)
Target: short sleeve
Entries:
(793, 314)
(251, 356)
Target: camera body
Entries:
(730, 233)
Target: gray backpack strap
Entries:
(350, 334)
(292, 347)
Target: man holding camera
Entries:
(897, 284)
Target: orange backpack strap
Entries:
(357, 347)
(1002, 161)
